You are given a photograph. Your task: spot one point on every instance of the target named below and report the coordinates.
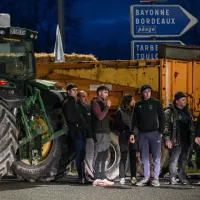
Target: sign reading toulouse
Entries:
(160, 20)
(147, 49)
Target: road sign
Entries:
(160, 20)
(147, 49)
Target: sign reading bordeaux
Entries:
(160, 20)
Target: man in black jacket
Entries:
(85, 109)
(178, 135)
(150, 120)
(76, 124)
(197, 140)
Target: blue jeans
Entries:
(80, 144)
(150, 142)
(178, 156)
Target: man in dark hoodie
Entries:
(178, 136)
(100, 126)
(150, 120)
(85, 109)
(76, 125)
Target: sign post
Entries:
(160, 21)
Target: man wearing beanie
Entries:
(150, 120)
(178, 136)
(76, 125)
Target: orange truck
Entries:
(177, 70)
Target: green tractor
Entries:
(34, 144)
(33, 140)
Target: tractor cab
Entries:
(17, 60)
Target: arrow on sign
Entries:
(147, 49)
(160, 20)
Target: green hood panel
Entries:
(46, 85)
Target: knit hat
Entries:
(144, 87)
(70, 86)
(179, 95)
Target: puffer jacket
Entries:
(172, 125)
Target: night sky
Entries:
(99, 27)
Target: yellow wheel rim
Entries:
(46, 148)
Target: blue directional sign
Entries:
(147, 49)
(160, 20)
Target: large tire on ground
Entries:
(54, 165)
(112, 164)
(8, 139)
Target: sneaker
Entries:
(185, 182)
(143, 182)
(173, 181)
(133, 181)
(122, 181)
(155, 183)
(97, 182)
(107, 182)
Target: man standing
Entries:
(150, 120)
(100, 126)
(90, 137)
(178, 136)
(76, 124)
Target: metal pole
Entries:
(61, 21)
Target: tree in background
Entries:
(41, 16)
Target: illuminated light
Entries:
(58, 86)
(36, 36)
(32, 36)
(2, 32)
(11, 39)
(3, 82)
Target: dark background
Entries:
(99, 27)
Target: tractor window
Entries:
(15, 57)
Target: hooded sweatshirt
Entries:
(99, 114)
(149, 116)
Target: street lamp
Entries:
(61, 21)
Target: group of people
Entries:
(89, 129)
(142, 126)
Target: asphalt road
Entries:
(68, 189)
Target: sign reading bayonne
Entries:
(160, 20)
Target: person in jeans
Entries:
(85, 109)
(122, 125)
(100, 126)
(76, 124)
(150, 120)
(178, 136)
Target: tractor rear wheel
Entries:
(55, 157)
(8, 139)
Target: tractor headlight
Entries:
(36, 36)
(32, 36)
(2, 32)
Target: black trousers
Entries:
(126, 148)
